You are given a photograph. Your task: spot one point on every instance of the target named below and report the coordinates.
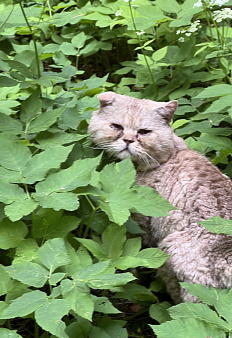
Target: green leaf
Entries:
(214, 91)
(198, 311)
(6, 81)
(31, 107)
(48, 223)
(10, 125)
(78, 175)
(5, 333)
(103, 305)
(50, 314)
(191, 328)
(6, 106)
(113, 239)
(11, 192)
(26, 251)
(81, 302)
(38, 166)
(58, 200)
(92, 270)
(132, 246)
(24, 305)
(5, 281)
(216, 142)
(78, 40)
(218, 225)
(11, 234)
(18, 209)
(159, 312)
(109, 281)
(54, 254)
(13, 155)
(29, 273)
(44, 121)
(95, 248)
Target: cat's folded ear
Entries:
(169, 109)
(106, 98)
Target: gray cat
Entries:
(125, 126)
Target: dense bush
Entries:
(66, 236)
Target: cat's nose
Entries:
(128, 141)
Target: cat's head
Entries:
(125, 126)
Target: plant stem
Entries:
(5, 21)
(34, 42)
(142, 49)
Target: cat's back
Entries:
(193, 184)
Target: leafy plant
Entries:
(68, 242)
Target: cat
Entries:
(140, 128)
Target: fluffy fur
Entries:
(125, 126)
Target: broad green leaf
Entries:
(11, 234)
(137, 294)
(93, 270)
(26, 251)
(191, 328)
(117, 176)
(10, 175)
(159, 312)
(56, 278)
(48, 223)
(6, 81)
(38, 166)
(5, 333)
(103, 305)
(108, 327)
(54, 254)
(31, 107)
(214, 91)
(50, 314)
(6, 108)
(51, 140)
(109, 281)
(13, 155)
(81, 302)
(216, 142)
(218, 225)
(113, 239)
(78, 175)
(11, 192)
(198, 311)
(159, 54)
(24, 305)
(132, 246)
(95, 248)
(58, 200)
(29, 273)
(16, 210)
(78, 40)
(5, 281)
(44, 121)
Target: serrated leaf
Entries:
(10, 125)
(31, 107)
(109, 281)
(113, 239)
(50, 314)
(38, 166)
(218, 225)
(16, 210)
(54, 254)
(78, 175)
(214, 91)
(191, 328)
(48, 223)
(103, 305)
(11, 234)
(216, 142)
(13, 155)
(81, 302)
(44, 121)
(11, 192)
(58, 200)
(5, 281)
(24, 305)
(29, 273)
(95, 248)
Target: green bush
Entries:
(66, 259)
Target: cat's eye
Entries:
(116, 126)
(144, 131)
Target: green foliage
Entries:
(65, 210)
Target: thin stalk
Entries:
(7, 18)
(208, 21)
(94, 209)
(142, 49)
(33, 38)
